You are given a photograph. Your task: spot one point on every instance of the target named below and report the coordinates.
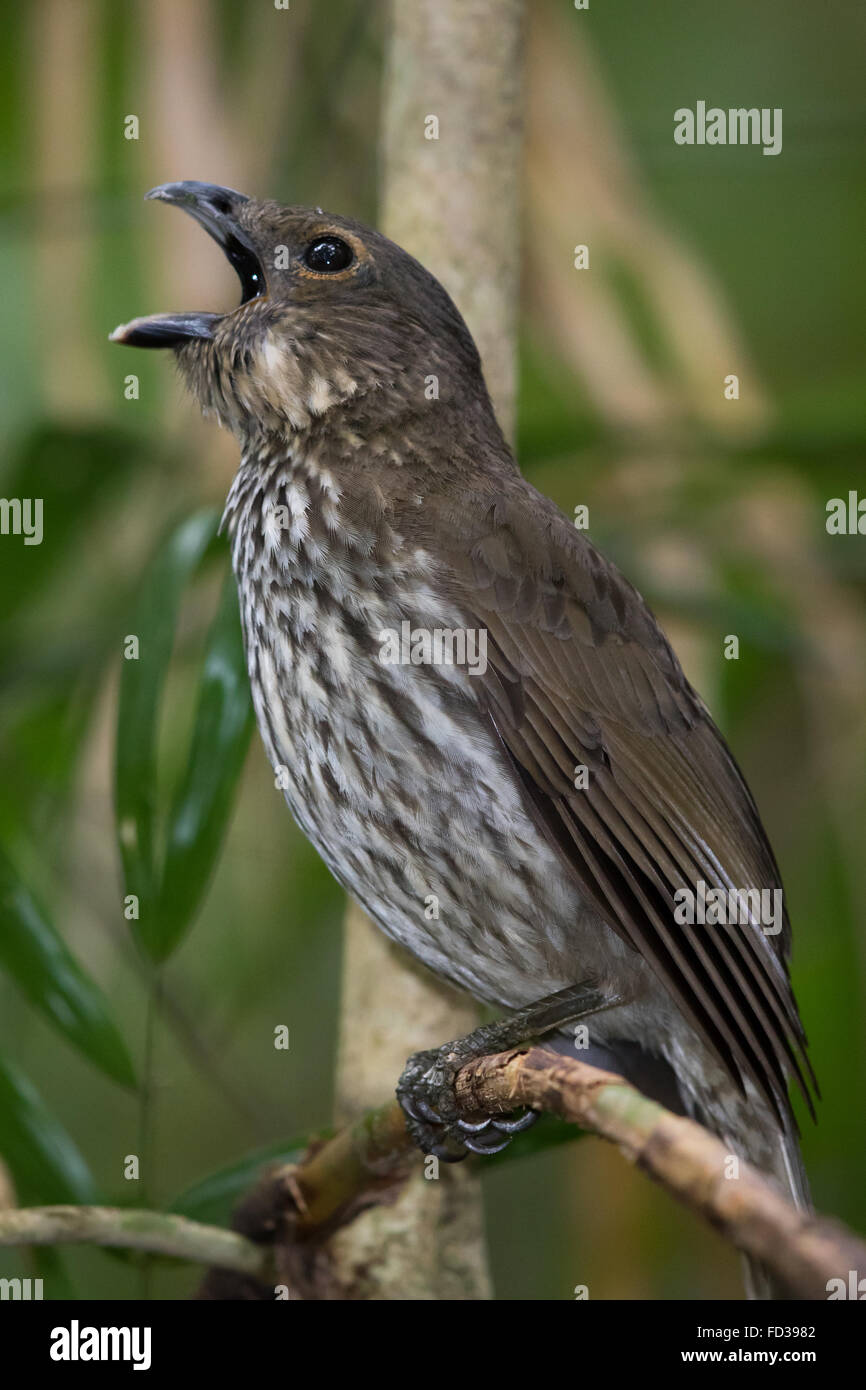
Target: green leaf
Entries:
(170, 883)
(44, 727)
(220, 738)
(39, 962)
(213, 1198)
(73, 471)
(141, 687)
(45, 1163)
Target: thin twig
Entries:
(156, 1232)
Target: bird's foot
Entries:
(426, 1088)
(426, 1094)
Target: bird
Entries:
(474, 716)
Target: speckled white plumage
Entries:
(470, 843)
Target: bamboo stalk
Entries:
(454, 73)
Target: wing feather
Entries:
(580, 674)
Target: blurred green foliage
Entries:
(163, 896)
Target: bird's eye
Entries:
(327, 254)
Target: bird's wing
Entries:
(580, 675)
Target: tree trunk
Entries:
(450, 195)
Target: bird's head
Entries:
(332, 313)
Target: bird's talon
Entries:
(525, 1121)
(477, 1147)
(427, 1112)
(426, 1094)
(474, 1127)
(409, 1108)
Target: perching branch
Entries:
(285, 1225)
(363, 1164)
(154, 1231)
(804, 1250)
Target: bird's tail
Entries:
(773, 1151)
(789, 1175)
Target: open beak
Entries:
(216, 210)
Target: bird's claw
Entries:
(472, 1126)
(426, 1094)
(516, 1124)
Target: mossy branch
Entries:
(283, 1226)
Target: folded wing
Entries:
(580, 676)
